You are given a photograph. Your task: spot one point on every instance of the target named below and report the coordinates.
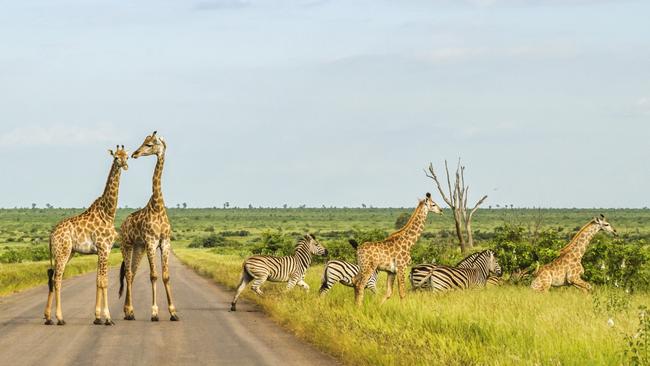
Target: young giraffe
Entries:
(567, 269)
(393, 254)
(91, 232)
(147, 230)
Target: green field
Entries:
(504, 325)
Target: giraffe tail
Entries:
(122, 274)
(50, 281)
(50, 271)
(353, 243)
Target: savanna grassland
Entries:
(506, 325)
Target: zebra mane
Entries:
(472, 258)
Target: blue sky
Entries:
(327, 102)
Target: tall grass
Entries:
(20, 276)
(498, 326)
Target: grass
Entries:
(508, 325)
(15, 277)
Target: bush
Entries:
(25, 254)
(402, 219)
(212, 241)
(275, 243)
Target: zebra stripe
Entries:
(343, 272)
(291, 269)
(474, 270)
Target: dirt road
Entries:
(208, 334)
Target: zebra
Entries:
(474, 270)
(343, 272)
(291, 269)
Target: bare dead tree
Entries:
(456, 199)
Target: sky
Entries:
(334, 103)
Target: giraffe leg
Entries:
(58, 278)
(389, 287)
(542, 283)
(580, 283)
(164, 252)
(134, 256)
(245, 279)
(360, 281)
(153, 276)
(102, 283)
(401, 285)
(50, 296)
(63, 256)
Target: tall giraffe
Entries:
(392, 254)
(91, 232)
(147, 230)
(567, 268)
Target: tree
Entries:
(178, 205)
(363, 205)
(457, 201)
(48, 205)
(184, 204)
(284, 206)
(402, 219)
(226, 204)
(33, 206)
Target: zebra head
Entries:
(493, 264)
(604, 225)
(315, 247)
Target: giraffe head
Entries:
(314, 246)
(152, 145)
(430, 205)
(604, 225)
(120, 156)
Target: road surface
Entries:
(207, 334)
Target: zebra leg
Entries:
(245, 279)
(389, 287)
(303, 284)
(257, 283)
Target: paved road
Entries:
(208, 334)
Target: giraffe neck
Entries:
(156, 202)
(107, 203)
(411, 232)
(578, 244)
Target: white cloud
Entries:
(447, 54)
(222, 4)
(644, 105)
(60, 135)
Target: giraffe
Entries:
(146, 230)
(91, 232)
(393, 254)
(567, 269)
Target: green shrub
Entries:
(24, 254)
(212, 241)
